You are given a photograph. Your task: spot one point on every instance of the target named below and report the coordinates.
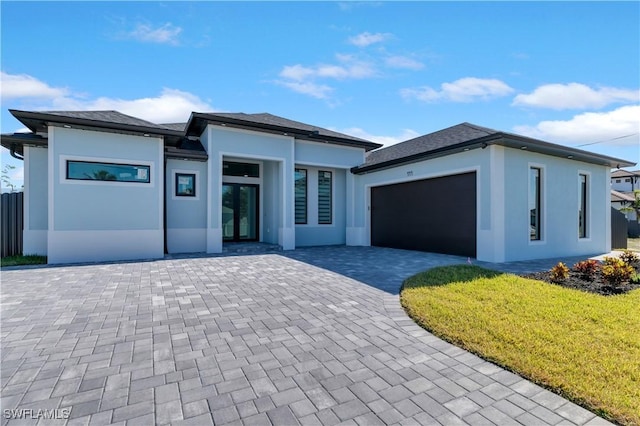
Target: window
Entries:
(535, 222)
(231, 168)
(185, 185)
(324, 197)
(90, 170)
(627, 180)
(582, 212)
(617, 180)
(301, 196)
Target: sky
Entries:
(567, 73)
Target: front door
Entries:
(240, 212)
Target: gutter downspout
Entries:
(14, 154)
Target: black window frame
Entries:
(106, 163)
(306, 196)
(537, 222)
(321, 175)
(178, 175)
(249, 170)
(583, 219)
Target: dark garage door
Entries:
(436, 215)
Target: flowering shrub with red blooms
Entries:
(587, 269)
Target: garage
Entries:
(436, 215)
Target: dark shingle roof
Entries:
(265, 121)
(625, 173)
(107, 117)
(466, 136)
(174, 126)
(433, 141)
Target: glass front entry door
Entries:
(240, 212)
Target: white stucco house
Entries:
(101, 185)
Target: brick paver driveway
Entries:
(257, 339)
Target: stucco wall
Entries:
(560, 203)
(324, 154)
(104, 220)
(34, 235)
(186, 216)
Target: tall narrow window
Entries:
(582, 212)
(301, 196)
(324, 197)
(535, 221)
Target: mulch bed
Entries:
(598, 285)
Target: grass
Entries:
(583, 346)
(30, 259)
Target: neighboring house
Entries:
(621, 200)
(101, 185)
(625, 180)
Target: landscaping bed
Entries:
(612, 276)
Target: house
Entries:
(621, 200)
(101, 185)
(625, 180)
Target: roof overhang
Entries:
(199, 121)
(507, 140)
(16, 141)
(40, 121)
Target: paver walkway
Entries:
(263, 339)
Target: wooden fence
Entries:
(12, 225)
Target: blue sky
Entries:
(563, 72)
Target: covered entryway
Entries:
(435, 215)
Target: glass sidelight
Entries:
(240, 212)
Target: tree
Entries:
(6, 179)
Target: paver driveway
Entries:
(262, 339)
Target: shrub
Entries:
(615, 271)
(629, 257)
(560, 272)
(587, 269)
(635, 279)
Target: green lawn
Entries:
(584, 346)
(30, 259)
(633, 244)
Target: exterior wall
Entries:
(560, 203)
(222, 142)
(626, 184)
(34, 234)
(312, 233)
(487, 164)
(186, 216)
(322, 154)
(98, 220)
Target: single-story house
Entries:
(102, 185)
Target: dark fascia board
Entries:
(506, 140)
(38, 121)
(185, 154)
(16, 141)
(199, 121)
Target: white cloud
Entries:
(319, 91)
(404, 135)
(589, 127)
(466, 89)
(165, 34)
(403, 62)
(575, 96)
(171, 105)
(14, 86)
(366, 39)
